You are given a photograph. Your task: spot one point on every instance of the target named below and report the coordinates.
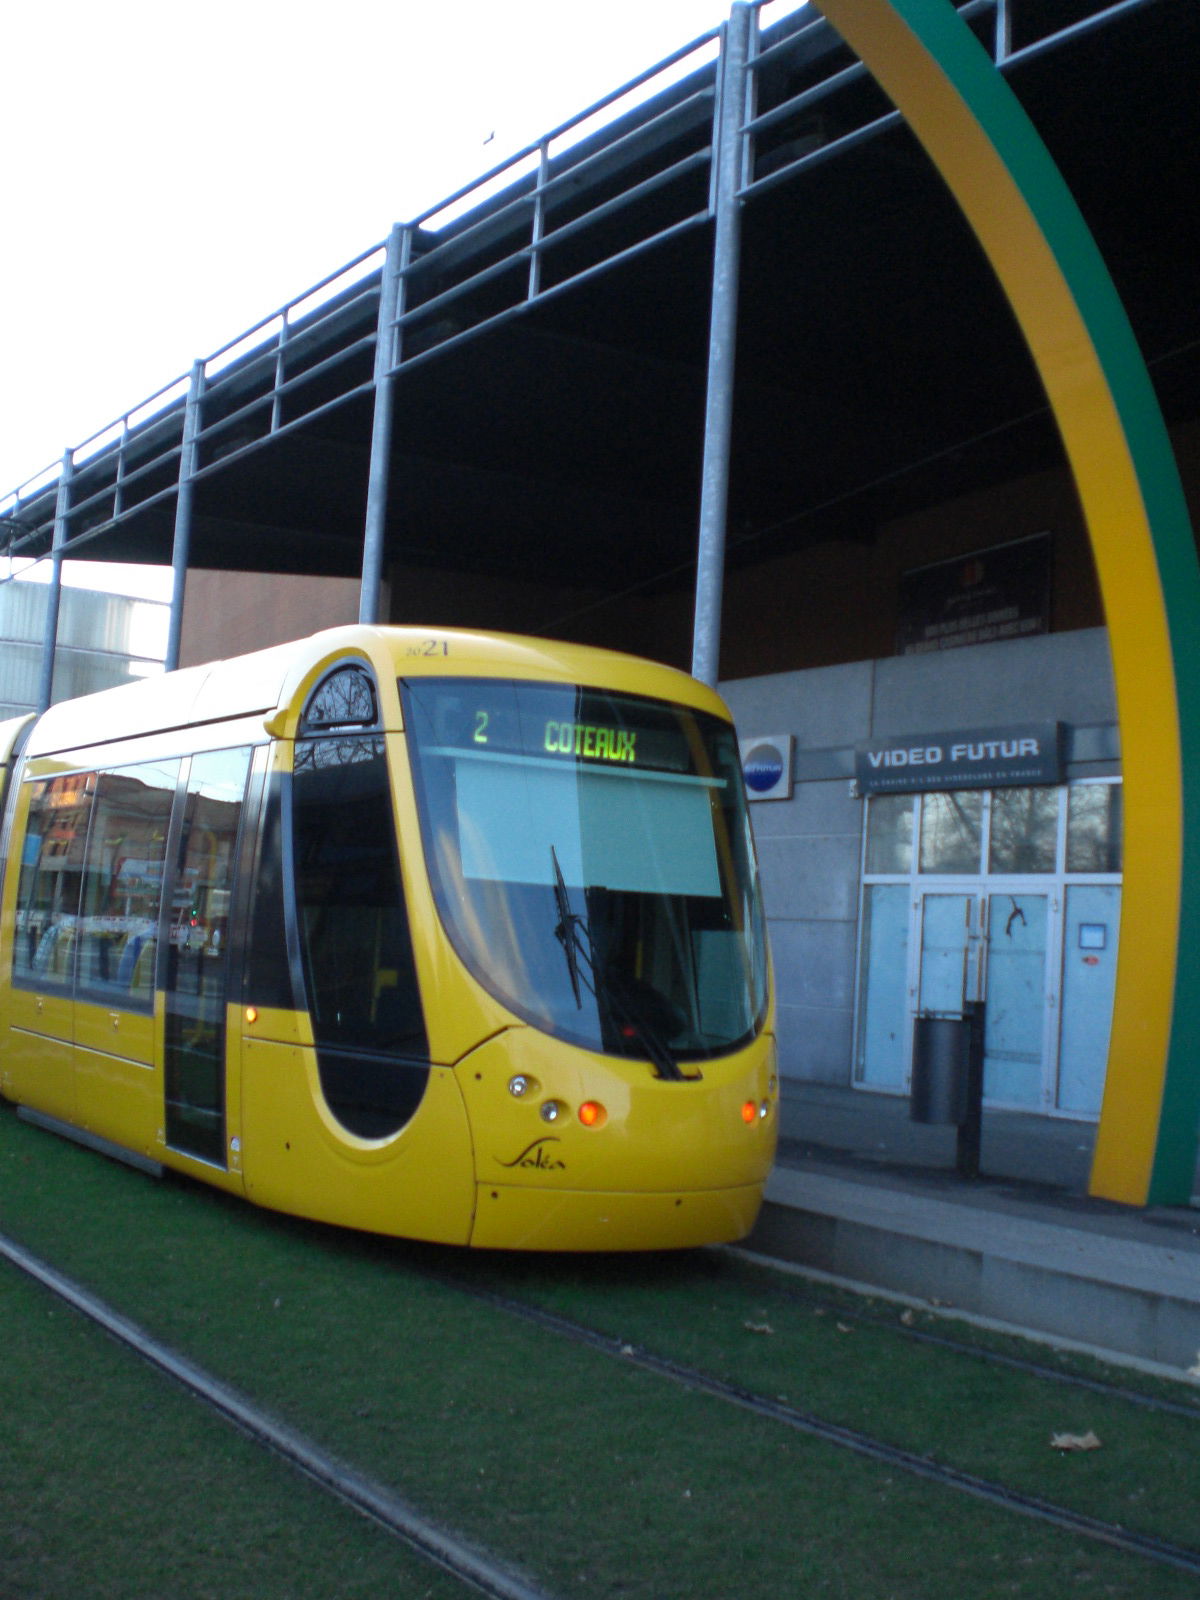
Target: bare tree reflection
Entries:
(1024, 830)
(951, 831)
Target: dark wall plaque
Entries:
(1003, 593)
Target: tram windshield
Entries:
(591, 858)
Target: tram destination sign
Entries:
(967, 758)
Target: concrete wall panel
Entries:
(811, 877)
(1058, 677)
(814, 1043)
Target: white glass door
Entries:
(972, 896)
(1089, 966)
(1018, 999)
(945, 927)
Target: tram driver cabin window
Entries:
(354, 934)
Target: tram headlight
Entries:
(551, 1110)
(521, 1084)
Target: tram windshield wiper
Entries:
(567, 929)
(573, 933)
(661, 1059)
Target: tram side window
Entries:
(268, 979)
(122, 884)
(354, 936)
(51, 875)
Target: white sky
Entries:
(171, 173)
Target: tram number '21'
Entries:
(429, 647)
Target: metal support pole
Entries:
(183, 513)
(398, 248)
(970, 1129)
(62, 507)
(722, 345)
(539, 220)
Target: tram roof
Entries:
(879, 369)
(273, 683)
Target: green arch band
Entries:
(960, 108)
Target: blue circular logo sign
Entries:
(763, 768)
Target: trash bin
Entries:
(941, 1063)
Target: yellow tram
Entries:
(445, 935)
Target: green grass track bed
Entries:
(597, 1478)
(116, 1485)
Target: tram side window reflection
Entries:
(353, 926)
(51, 876)
(122, 883)
(268, 980)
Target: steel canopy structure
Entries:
(550, 344)
(536, 382)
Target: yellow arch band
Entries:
(960, 109)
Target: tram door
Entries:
(992, 946)
(198, 954)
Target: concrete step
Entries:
(1118, 1283)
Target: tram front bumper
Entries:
(512, 1217)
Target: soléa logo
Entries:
(767, 766)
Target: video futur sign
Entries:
(969, 758)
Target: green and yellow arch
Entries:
(963, 112)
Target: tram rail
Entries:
(906, 1326)
(438, 1545)
(861, 1443)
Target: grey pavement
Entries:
(861, 1191)
(876, 1130)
